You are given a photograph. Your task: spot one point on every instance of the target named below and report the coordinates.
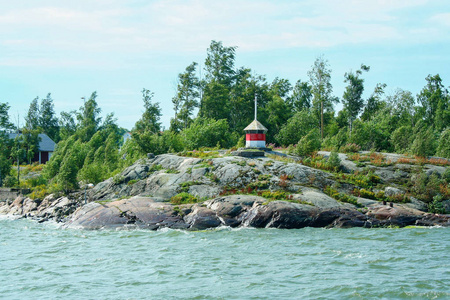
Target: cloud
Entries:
(88, 31)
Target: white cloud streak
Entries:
(188, 26)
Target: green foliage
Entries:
(206, 132)
(186, 98)
(132, 181)
(200, 154)
(350, 148)
(183, 198)
(333, 193)
(309, 143)
(446, 175)
(155, 168)
(443, 149)
(426, 187)
(424, 143)
(401, 139)
(352, 98)
(370, 136)
(296, 128)
(187, 184)
(436, 206)
(67, 175)
(334, 161)
(364, 179)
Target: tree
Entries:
(435, 103)
(296, 127)
(401, 138)
(5, 142)
(301, 96)
(149, 124)
(320, 76)
(352, 98)
(219, 63)
(309, 143)
(88, 118)
(67, 125)
(206, 132)
(220, 74)
(32, 118)
(48, 121)
(374, 103)
(401, 108)
(424, 143)
(186, 99)
(281, 87)
(444, 144)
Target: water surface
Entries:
(42, 261)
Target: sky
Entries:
(116, 48)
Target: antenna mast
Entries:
(256, 103)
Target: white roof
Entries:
(255, 125)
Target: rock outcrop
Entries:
(139, 198)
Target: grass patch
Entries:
(200, 154)
(186, 185)
(184, 198)
(333, 193)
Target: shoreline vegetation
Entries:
(384, 155)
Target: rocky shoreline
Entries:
(139, 198)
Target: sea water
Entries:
(42, 261)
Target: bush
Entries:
(206, 132)
(183, 198)
(296, 128)
(446, 175)
(370, 135)
(350, 148)
(401, 139)
(309, 143)
(443, 149)
(425, 143)
(436, 207)
(334, 161)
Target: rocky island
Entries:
(197, 193)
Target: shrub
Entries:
(444, 144)
(309, 143)
(187, 184)
(425, 143)
(183, 198)
(333, 193)
(296, 128)
(436, 207)
(401, 139)
(334, 161)
(350, 148)
(132, 181)
(205, 132)
(446, 175)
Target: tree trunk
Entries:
(321, 119)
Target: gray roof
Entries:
(45, 143)
(255, 125)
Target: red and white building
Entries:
(255, 135)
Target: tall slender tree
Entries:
(435, 102)
(352, 99)
(186, 99)
(301, 96)
(48, 121)
(32, 117)
(320, 79)
(88, 118)
(219, 77)
(5, 142)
